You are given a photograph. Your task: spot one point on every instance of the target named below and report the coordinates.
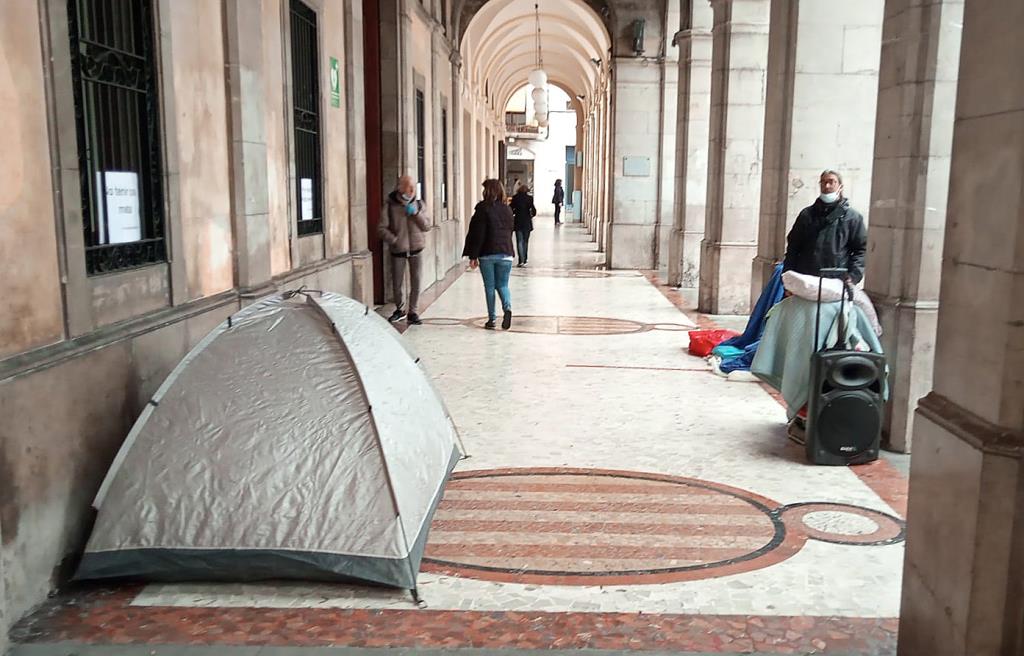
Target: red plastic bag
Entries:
(703, 341)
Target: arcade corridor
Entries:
(618, 496)
(168, 163)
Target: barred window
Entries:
(306, 110)
(421, 147)
(117, 120)
(444, 157)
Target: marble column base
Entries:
(761, 273)
(725, 277)
(962, 575)
(908, 337)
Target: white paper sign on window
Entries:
(124, 223)
(306, 200)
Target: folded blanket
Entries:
(784, 354)
(804, 286)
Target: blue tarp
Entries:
(751, 336)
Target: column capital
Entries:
(690, 34)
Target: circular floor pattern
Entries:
(557, 325)
(605, 527)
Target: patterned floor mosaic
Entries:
(617, 497)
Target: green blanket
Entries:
(784, 354)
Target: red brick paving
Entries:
(101, 616)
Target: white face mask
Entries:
(829, 198)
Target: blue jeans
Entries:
(496, 270)
(523, 244)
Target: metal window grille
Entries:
(421, 149)
(306, 110)
(117, 120)
(444, 156)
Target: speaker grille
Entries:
(848, 424)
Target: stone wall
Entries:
(77, 364)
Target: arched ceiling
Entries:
(498, 43)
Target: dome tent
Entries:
(299, 439)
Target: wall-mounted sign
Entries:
(639, 167)
(518, 152)
(306, 199)
(335, 83)
(123, 222)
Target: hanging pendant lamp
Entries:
(539, 78)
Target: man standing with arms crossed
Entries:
(403, 223)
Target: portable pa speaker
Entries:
(844, 411)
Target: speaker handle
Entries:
(831, 272)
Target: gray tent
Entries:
(299, 439)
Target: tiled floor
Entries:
(619, 496)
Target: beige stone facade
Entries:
(702, 128)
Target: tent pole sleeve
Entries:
(373, 425)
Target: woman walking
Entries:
(489, 246)
(557, 199)
(524, 211)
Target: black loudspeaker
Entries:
(844, 411)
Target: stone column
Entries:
(636, 153)
(909, 193)
(250, 201)
(694, 42)
(963, 582)
(355, 88)
(604, 169)
(668, 125)
(738, 72)
(456, 190)
(820, 113)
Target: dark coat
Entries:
(827, 236)
(490, 231)
(524, 211)
(559, 196)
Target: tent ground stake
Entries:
(416, 598)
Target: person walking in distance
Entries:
(489, 246)
(524, 211)
(403, 223)
(557, 200)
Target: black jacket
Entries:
(827, 236)
(490, 231)
(524, 211)
(559, 197)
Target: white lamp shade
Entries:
(540, 110)
(542, 121)
(538, 78)
(538, 94)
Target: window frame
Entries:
(420, 134)
(316, 225)
(444, 156)
(94, 301)
(114, 105)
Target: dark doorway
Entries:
(374, 179)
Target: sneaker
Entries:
(397, 315)
(489, 325)
(520, 265)
(414, 319)
(506, 321)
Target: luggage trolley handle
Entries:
(833, 272)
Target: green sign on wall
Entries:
(335, 84)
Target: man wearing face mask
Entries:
(402, 225)
(828, 234)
